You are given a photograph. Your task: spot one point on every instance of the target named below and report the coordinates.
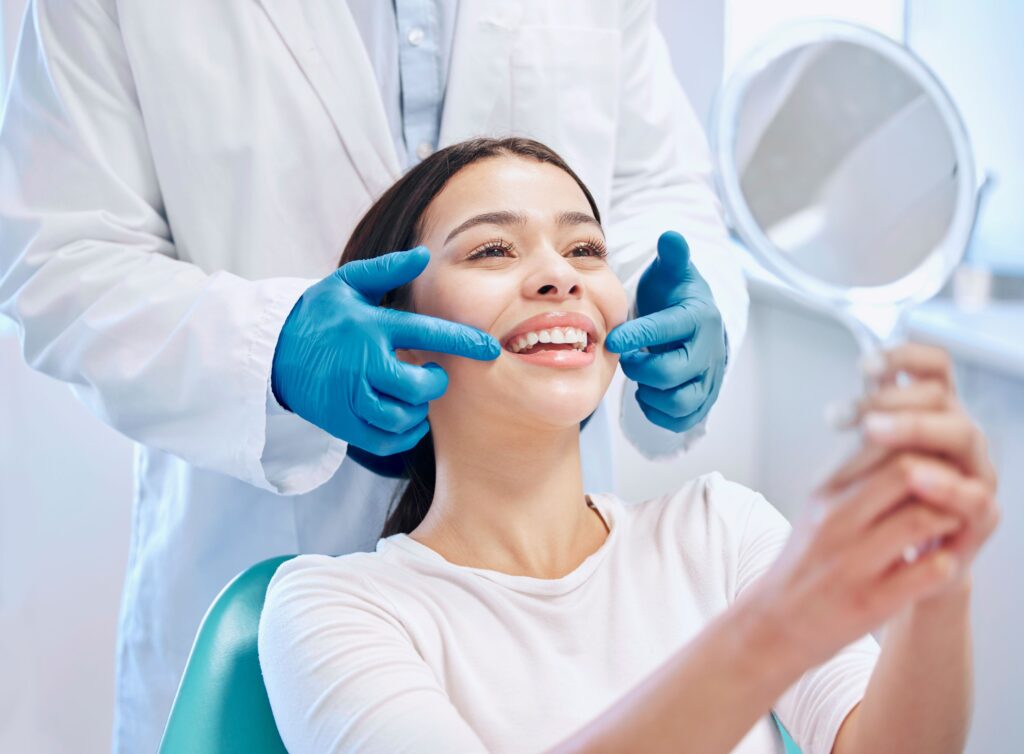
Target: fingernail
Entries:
(873, 364)
(840, 414)
(879, 425)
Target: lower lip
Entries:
(568, 358)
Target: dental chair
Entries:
(222, 705)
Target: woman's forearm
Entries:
(919, 696)
(705, 698)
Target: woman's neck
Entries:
(510, 500)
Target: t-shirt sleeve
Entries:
(342, 673)
(814, 707)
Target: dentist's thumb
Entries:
(672, 265)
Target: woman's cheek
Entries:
(473, 300)
(615, 304)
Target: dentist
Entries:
(176, 182)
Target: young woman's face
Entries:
(515, 251)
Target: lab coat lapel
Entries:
(479, 69)
(325, 42)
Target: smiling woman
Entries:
(506, 610)
(517, 250)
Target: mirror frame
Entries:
(925, 280)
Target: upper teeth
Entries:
(573, 335)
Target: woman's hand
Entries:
(922, 477)
(924, 418)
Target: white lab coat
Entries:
(174, 175)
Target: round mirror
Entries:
(845, 167)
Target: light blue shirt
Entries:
(409, 43)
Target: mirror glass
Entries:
(846, 163)
(844, 166)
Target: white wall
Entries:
(65, 503)
(694, 32)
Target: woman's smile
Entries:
(554, 339)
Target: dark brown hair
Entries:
(395, 223)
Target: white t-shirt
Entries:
(399, 650)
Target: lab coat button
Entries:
(415, 36)
(424, 150)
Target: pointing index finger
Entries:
(657, 329)
(425, 333)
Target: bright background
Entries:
(65, 479)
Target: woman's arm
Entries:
(919, 697)
(706, 697)
(922, 476)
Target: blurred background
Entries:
(65, 478)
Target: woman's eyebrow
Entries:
(504, 217)
(578, 218)
(507, 217)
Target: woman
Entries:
(505, 610)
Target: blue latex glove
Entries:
(335, 364)
(680, 375)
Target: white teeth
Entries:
(576, 336)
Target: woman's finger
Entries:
(919, 360)
(910, 582)
(870, 496)
(946, 489)
(924, 395)
(973, 499)
(909, 525)
(948, 433)
(869, 456)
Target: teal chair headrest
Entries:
(222, 705)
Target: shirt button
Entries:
(415, 36)
(424, 150)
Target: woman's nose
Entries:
(554, 279)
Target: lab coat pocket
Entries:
(565, 93)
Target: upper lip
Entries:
(548, 320)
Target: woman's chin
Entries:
(555, 411)
(559, 398)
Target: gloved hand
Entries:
(680, 376)
(335, 364)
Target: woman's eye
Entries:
(494, 250)
(588, 250)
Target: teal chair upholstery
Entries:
(222, 705)
(790, 744)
